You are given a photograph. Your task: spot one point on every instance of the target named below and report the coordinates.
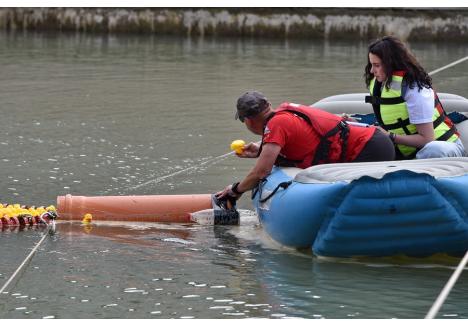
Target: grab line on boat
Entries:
(50, 230)
(448, 66)
(446, 290)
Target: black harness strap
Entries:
(404, 125)
(377, 91)
(286, 162)
(375, 100)
(323, 149)
(449, 133)
(344, 138)
(439, 120)
(399, 124)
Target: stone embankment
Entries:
(332, 23)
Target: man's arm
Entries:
(262, 168)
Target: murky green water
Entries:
(94, 115)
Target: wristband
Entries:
(234, 188)
(392, 137)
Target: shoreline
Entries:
(282, 23)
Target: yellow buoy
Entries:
(238, 146)
(87, 218)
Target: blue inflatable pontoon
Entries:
(415, 207)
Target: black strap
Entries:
(377, 91)
(283, 185)
(301, 115)
(286, 162)
(344, 138)
(399, 124)
(323, 149)
(257, 188)
(439, 120)
(377, 100)
(449, 133)
(404, 125)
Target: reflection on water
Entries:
(125, 270)
(93, 115)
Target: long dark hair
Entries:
(396, 56)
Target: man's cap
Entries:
(250, 103)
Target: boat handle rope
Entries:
(283, 185)
(49, 231)
(258, 188)
(447, 288)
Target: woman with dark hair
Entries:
(406, 106)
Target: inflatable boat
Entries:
(415, 207)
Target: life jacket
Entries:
(334, 136)
(391, 113)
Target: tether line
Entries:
(159, 179)
(453, 279)
(26, 260)
(446, 290)
(448, 66)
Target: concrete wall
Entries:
(333, 23)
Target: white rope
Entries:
(159, 179)
(453, 279)
(448, 66)
(446, 290)
(26, 260)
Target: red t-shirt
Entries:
(296, 138)
(293, 135)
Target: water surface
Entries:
(104, 115)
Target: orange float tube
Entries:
(151, 208)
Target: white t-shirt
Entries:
(420, 104)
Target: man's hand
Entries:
(346, 117)
(228, 193)
(250, 151)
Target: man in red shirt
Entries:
(301, 136)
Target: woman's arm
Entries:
(425, 135)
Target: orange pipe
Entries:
(155, 208)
